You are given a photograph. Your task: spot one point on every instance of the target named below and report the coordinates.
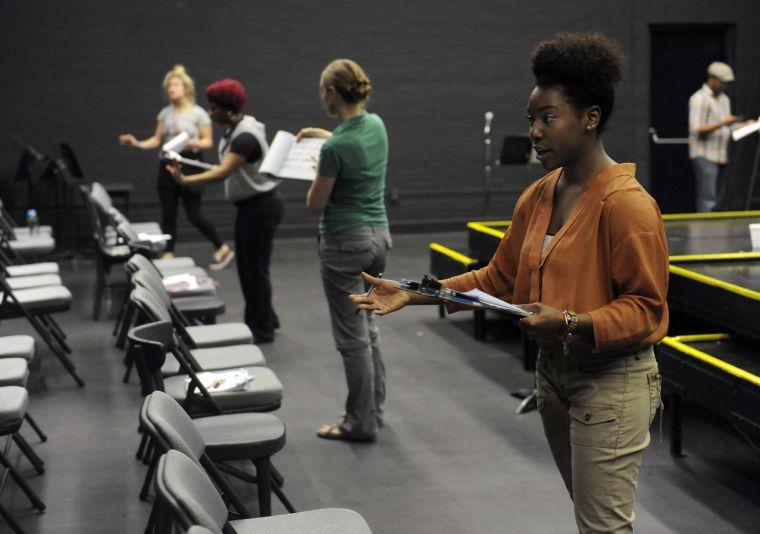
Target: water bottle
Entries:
(32, 222)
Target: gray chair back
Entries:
(186, 488)
(173, 426)
(117, 216)
(150, 304)
(139, 262)
(125, 230)
(100, 197)
(143, 278)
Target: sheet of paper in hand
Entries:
(288, 159)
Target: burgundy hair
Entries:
(227, 93)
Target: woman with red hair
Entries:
(182, 115)
(259, 203)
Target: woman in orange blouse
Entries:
(586, 253)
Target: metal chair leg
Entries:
(264, 486)
(36, 502)
(35, 427)
(35, 460)
(144, 491)
(15, 527)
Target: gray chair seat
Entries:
(206, 287)
(220, 335)
(13, 403)
(217, 358)
(21, 346)
(199, 306)
(174, 263)
(13, 372)
(33, 245)
(39, 280)
(241, 436)
(117, 251)
(324, 521)
(189, 269)
(51, 298)
(24, 231)
(31, 269)
(263, 392)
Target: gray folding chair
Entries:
(253, 437)
(185, 489)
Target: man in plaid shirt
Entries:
(710, 121)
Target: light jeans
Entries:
(596, 418)
(707, 174)
(344, 255)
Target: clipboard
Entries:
(430, 287)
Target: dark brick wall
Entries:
(85, 71)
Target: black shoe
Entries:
(258, 339)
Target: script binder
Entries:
(291, 160)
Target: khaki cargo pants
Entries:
(596, 417)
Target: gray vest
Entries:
(246, 181)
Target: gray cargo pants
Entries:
(596, 417)
(344, 255)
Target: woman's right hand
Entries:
(313, 132)
(385, 297)
(129, 139)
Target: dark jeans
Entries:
(255, 225)
(169, 192)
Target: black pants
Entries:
(255, 225)
(169, 192)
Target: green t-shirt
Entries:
(357, 157)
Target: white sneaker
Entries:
(222, 260)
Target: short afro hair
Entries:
(586, 66)
(227, 93)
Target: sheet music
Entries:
(288, 159)
(744, 131)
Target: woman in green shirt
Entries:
(349, 195)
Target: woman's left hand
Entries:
(175, 169)
(545, 324)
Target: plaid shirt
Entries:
(705, 108)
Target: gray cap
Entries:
(721, 71)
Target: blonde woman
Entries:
(349, 196)
(182, 115)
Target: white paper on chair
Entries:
(232, 380)
(153, 238)
(288, 159)
(744, 131)
(180, 282)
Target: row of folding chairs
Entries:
(216, 430)
(16, 354)
(33, 290)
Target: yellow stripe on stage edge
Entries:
(710, 281)
(719, 256)
(711, 215)
(453, 254)
(679, 343)
(482, 228)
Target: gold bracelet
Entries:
(571, 325)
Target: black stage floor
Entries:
(453, 457)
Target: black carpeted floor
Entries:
(453, 456)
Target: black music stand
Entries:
(515, 150)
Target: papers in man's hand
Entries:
(176, 143)
(494, 303)
(744, 131)
(288, 159)
(180, 282)
(233, 380)
(153, 238)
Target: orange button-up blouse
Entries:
(610, 259)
